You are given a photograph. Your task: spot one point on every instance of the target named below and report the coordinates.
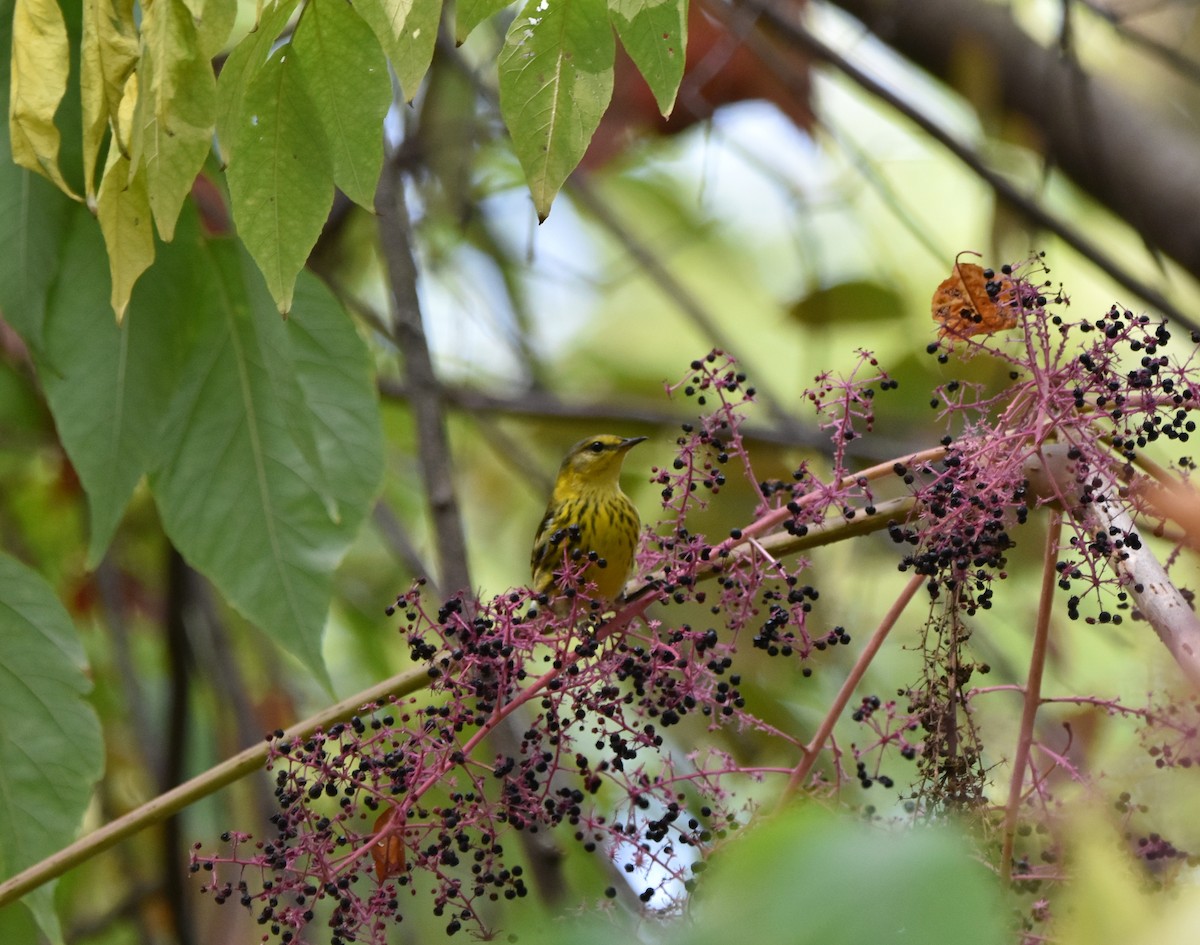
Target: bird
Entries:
(588, 515)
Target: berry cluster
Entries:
(538, 718)
(407, 800)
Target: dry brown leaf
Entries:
(388, 850)
(969, 303)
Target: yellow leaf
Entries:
(40, 64)
(91, 86)
(125, 112)
(123, 208)
(176, 109)
(109, 55)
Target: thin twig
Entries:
(1033, 692)
(821, 735)
(542, 405)
(673, 288)
(395, 536)
(180, 660)
(429, 409)
(1187, 67)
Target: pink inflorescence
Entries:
(413, 801)
(1083, 396)
(406, 800)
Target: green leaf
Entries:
(332, 368)
(262, 436)
(123, 208)
(468, 14)
(346, 73)
(50, 737)
(39, 70)
(23, 420)
(407, 31)
(798, 878)
(16, 923)
(281, 177)
(176, 109)
(214, 21)
(237, 494)
(33, 224)
(241, 66)
(857, 300)
(108, 384)
(556, 79)
(926, 886)
(654, 33)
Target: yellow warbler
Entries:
(589, 517)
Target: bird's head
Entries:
(596, 460)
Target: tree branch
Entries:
(542, 405)
(774, 15)
(425, 394)
(165, 805)
(1126, 154)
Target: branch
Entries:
(1124, 153)
(1152, 590)
(233, 769)
(1141, 574)
(541, 405)
(936, 17)
(1033, 692)
(424, 388)
(1181, 63)
(180, 660)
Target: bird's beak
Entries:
(630, 443)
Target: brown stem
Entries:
(180, 662)
(429, 409)
(159, 808)
(813, 748)
(425, 392)
(1033, 693)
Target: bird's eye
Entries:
(597, 447)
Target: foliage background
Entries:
(806, 217)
